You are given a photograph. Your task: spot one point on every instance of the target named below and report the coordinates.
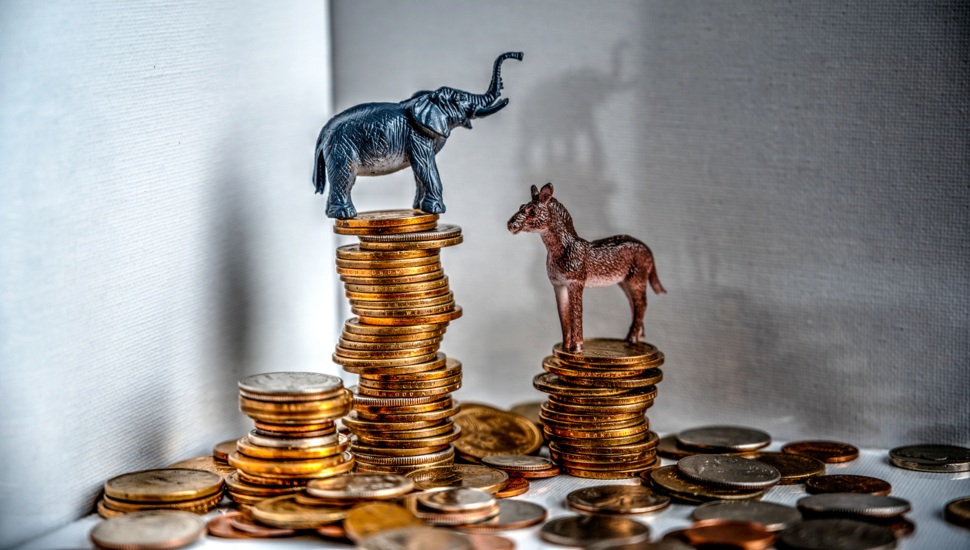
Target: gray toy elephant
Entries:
(374, 139)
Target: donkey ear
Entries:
(546, 193)
(429, 117)
(535, 192)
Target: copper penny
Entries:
(332, 531)
(734, 534)
(487, 541)
(842, 483)
(242, 523)
(513, 514)
(826, 451)
(221, 526)
(516, 486)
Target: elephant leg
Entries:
(428, 198)
(342, 174)
(636, 293)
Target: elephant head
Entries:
(437, 112)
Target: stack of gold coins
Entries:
(295, 440)
(185, 489)
(595, 418)
(393, 278)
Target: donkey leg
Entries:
(636, 293)
(562, 304)
(575, 293)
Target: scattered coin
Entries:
(291, 384)
(488, 541)
(222, 449)
(207, 463)
(724, 438)
(587, 530)
(243, 523)
(670, 481)
(931, 458)
(529, 410)
(221, 526)
(957, 512)
(774, 517)
(732, 472)
(285, 513)
(489, 431)
(460, 475)
(513, 514)
(836, 534)
(854, 504)
(515, 487)
(826, 451)
(165, 485)
(517, 463)
(843, 483)
(729, 533)
(361, 486)
(616, 499)
(371, 518)
(416, 538)
(151, 530)
(792, 467)
(456, 499)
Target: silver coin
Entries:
(775, 517)
(416, 538)
(729, 471)
(512, 514)
(442, 231)
(295, 442)
(457, 499)
(361, 486)
(291, 383)
(931, 458)
(587, 530)
(149, 529)
(836, 534)
(857, 504)
(518, 463)
(616, 499)
(724, 438)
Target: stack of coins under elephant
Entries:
(393, 278)
(594, 418)
(295, 440)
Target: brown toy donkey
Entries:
(574, 263)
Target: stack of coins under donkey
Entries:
(402, 413)
(594, 418)
(295, 440)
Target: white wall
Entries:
(159, 237)
(799, 169)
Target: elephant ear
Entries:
(429, 117)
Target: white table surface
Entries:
(928, 493)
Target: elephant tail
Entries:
(319, 172)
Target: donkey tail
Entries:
(319, 172)
(655, 281)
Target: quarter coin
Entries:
(616, 499)
(517, 463)
(855, 504)
(291, 383)
(836, 534)
(826, 451)
(724, 438)
(586, 530)
(843, 483)
(774, 517)
(728, 471)
(150, 530)
(931, 458)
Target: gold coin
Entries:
(529, 410)
(403, 404)
(322, 428)
(649, 377)
(594, 442)
(386, 264)
(608, 351)
(368, 519)
(353, 252)
(369, 468)
(447, 453)
(284, 512)
(250, 449)
(432, 275)
(516, 486)
(554, 406)
(471, 476)
(105, 512)
(355, 424)
(327, 408)
(375, 219)
(639, 396)
(365, 367)
(420, 510)
(403, 339)
(793, 468)
(443, 231)
(367, 312)
(430, 301)
(416, 245)
(287, 468)
(451, 368)
(420, 319)
(669, 480)
(428, 392)
(386, 354)
(380, 363)
(207, 463)
(382, 287)
(487, 431)
(395, 272)
(434, 410)
(355, 326)
(553, 384)
(601, 433)
(166, 485)
(354, 345)
(360, 231)
(198, 506)
(442, 428)
(607, 474)
(392, 296)
(409, 384)
(547, 413)
(628, 466)
(415, 443)
(237, 486)
(593, 425)
(556, 366)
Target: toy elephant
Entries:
(374, 139)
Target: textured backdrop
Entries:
(158, 234)
(801, 171)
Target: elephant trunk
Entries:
(484, 101)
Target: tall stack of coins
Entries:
(393, 278)
(595, 418)
(295, 440)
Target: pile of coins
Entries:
(401, 419)
(183, 489)
(295, 439)
(595, 418)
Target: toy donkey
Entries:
(574, 263)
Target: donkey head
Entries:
(533, 215)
